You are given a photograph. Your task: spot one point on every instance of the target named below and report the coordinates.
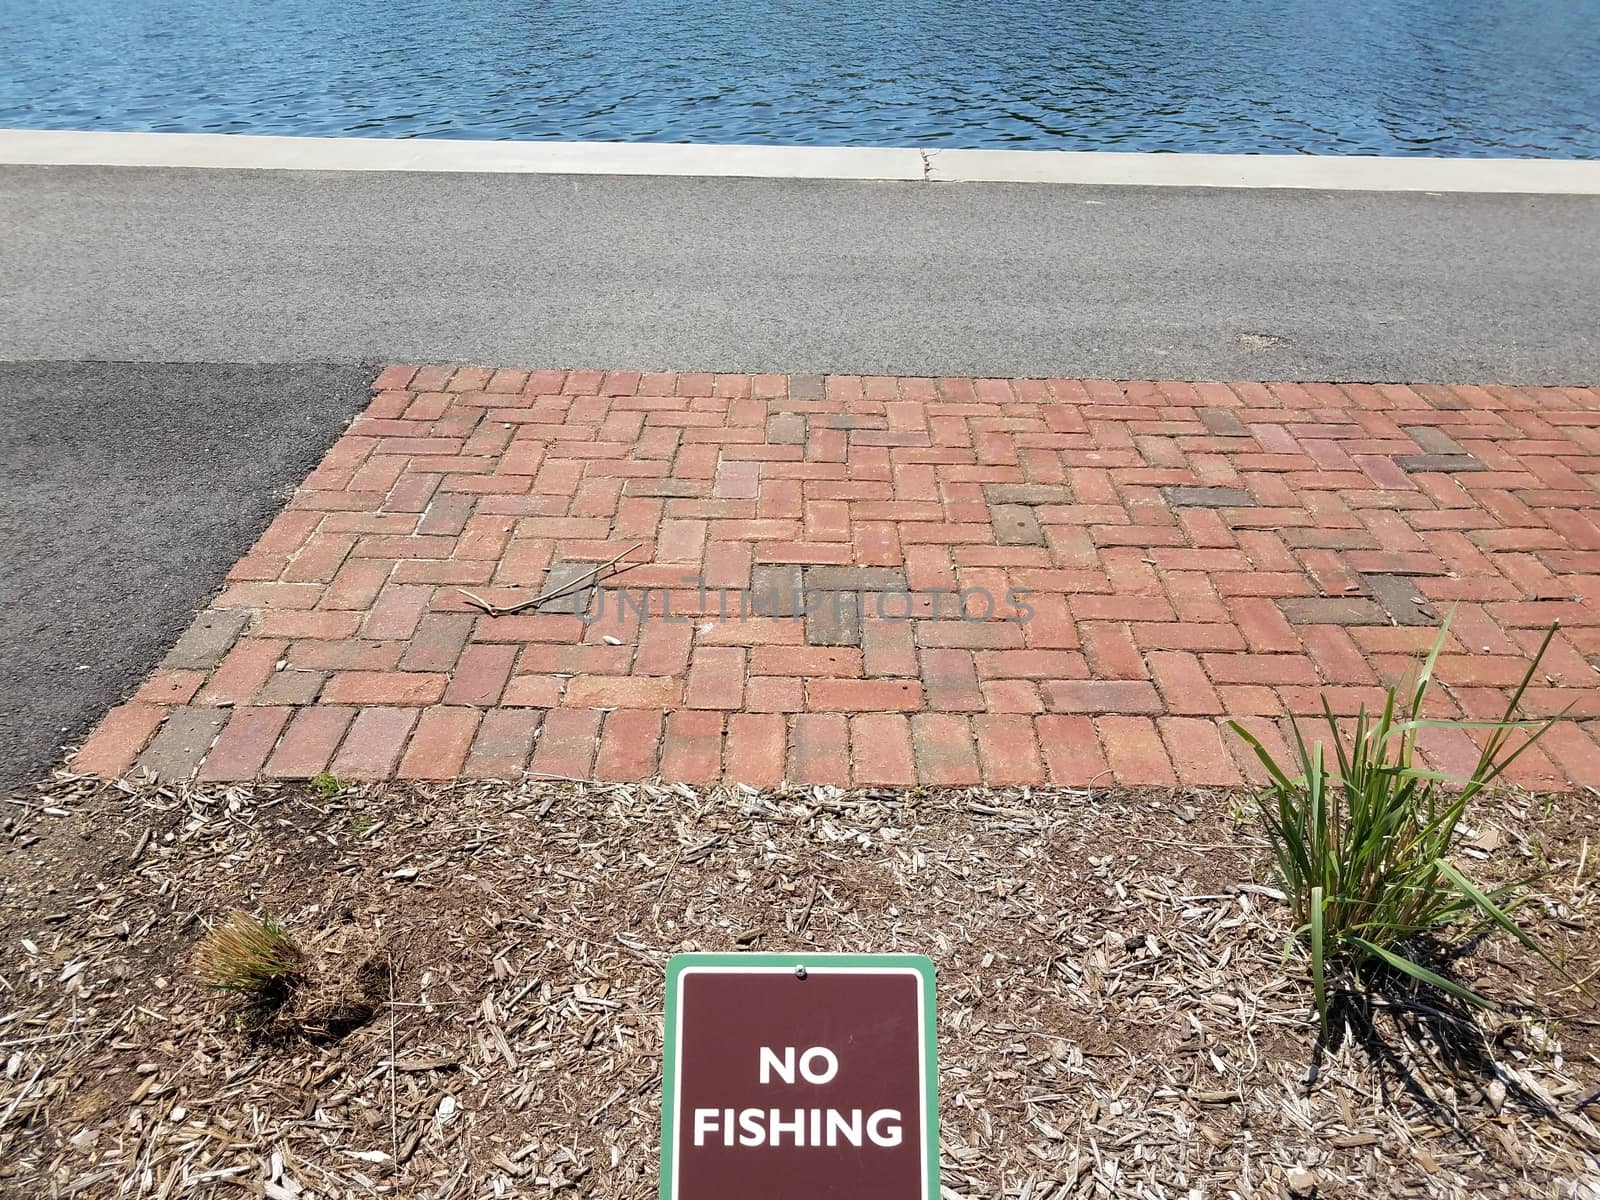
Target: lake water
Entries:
(1446, 77)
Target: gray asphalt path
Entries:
(126, 493)
(222, 265)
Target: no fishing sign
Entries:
(811, 1077)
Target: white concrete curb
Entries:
(1317, 172)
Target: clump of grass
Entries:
(326, 784)
(1363, 844)
(251, 956)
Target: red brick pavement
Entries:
(1188, 552)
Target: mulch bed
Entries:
(1116, 1012)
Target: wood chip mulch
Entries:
(1117, 1015)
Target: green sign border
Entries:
(930, 1042)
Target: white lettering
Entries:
(777, 1127)
(803, 1127)
(811, 1074)
(770, 1062)
(751, 1131)
(890, 1137)
(851, 1129)
(705, 1121)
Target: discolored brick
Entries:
(1208, 497)
(184, 739)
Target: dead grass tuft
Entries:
(252, 956)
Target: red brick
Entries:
(970, 635)
(1447, 750)
(757, 749)
(439, 745)
(1175, 594)
(373, 744)
(736, 630)
(1260, 668)
(438, 642)
(774, 694)
(384, 687)
(842, 662)
(716, 678)
(356, 585)
(1135, 751)
(1101, 696)
(308, 744)
(819, 749)
(681, 542)
(248, 665)
(945, 751)
(1335, 654)
(1030, 664)
(1249, 699)
(887, 647)
(170, 687)
(692, 751)
(329, 626)
(504, 742)
(629, 745)
(1183, 683)
(319, 560)
(346, 655)
(1110, 650)
(1572, 745)
(1007, 750)
(1266, 731)
(480, 675)
(1011, 696)
(393, 378)
(727, 565)
(621, 691)
(876, 544)
(566, 743)
(1051, 626)
(541, 659)
(880, 750)
(116, 741)
(1195, 746)
(951, 679)
(863, 695)
(1072, 751)
(242, 748)
(1265, 631)
(1154, 635)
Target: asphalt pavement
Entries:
(126, 492)
(198, 265)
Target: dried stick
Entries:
(566, 589)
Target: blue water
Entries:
(1455, 77)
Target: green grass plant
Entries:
(1363, 842)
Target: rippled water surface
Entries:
(1459, 77)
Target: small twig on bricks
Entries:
(587, 579)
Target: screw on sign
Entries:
(811, 1076)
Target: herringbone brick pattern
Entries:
(1184, 552)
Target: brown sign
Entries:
(799, 1078)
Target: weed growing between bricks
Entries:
(1115, 1016)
